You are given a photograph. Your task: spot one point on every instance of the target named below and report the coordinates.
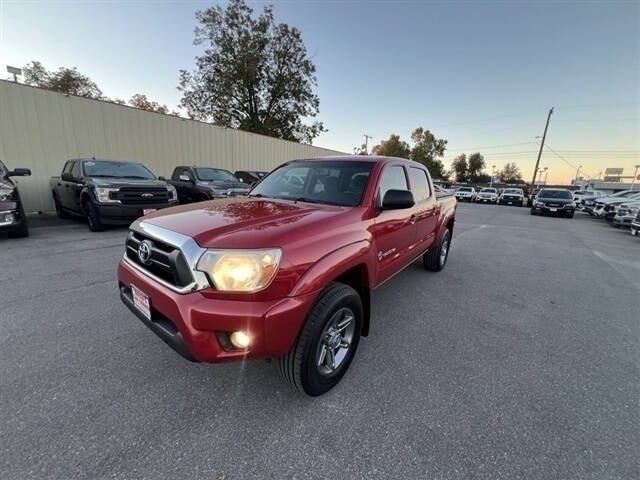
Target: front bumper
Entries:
(485, 200)
(119, 214)
(624, 221)
(635, 228)
(10, 219)
(511, 201)
(195, 325)
(553, 210)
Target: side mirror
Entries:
(397, 199)
(161, 178)
(185, 178)
(19, 172)
(67, 177)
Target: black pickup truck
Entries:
(12, 218)
(109, 192)
(196, 184)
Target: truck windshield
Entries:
(3, 170)
(464, 189)
(330, 182)
(555, 194)
(513, 191)
(98, 168)
(215, 174)
(488, 190)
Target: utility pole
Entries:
(575, 181)
(366, 143)
(635, 175)
(546, 171)
(544, 135)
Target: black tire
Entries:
(59, 211)
(533, 212)
(433, 259)
(570, 215)
(300, 366)
(203, 197)
(93, 219)
(23, 230)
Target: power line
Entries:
(490, 146)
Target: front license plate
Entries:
(553, 209)
(148, 210)
(141, 302)
(634, 231)
(510, 203)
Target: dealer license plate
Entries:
(148, 210)
(510, 203)
(553, 209)
(141, 302)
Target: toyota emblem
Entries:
(144, 252)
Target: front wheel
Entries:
(436, 258)
(93, 218)
(327, 343)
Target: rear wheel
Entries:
(59, 210)
(327, 342)
(93, 218)
(436, 258)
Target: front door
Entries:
(394, 231)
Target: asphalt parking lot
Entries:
(519, 360)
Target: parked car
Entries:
(532, 196)
(12, 217)
(511, 196)
(635, 226)
(249, 177)
(553, 201)
(487, 195)
(196, 184)
(466, 194)
(606, 207)
(288, 271)
(580, 196)
(625, 214)
(108, 192)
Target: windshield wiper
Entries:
(308, 200)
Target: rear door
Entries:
(395, 230)
(427, 208)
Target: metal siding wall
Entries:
(40, 130)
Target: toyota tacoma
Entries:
(288, 271)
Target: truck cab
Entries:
(197, 184)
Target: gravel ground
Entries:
(519, 360)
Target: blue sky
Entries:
(480, 74)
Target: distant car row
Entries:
(116, 192)
(621, 209)
(509, 196)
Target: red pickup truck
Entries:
(288, 271)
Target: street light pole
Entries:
(366, 143)
(546, 171)
(493, 169)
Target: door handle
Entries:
(412, 218)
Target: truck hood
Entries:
(614, 200)
(243, 222)
(126, 182)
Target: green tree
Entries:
(64, 80)
(427, 149)
(510, 174)
(142, 102)
(254, 75)
(476, 165)
(460, 168)
(393, 147)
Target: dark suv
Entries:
(12, 218)
(553, 201)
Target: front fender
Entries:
(334, 264)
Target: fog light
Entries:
(239, 339)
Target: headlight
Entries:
(240, 270)
(633, 211)
(171, 190)
(6, 194)
(104, 195)
(538, 203)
